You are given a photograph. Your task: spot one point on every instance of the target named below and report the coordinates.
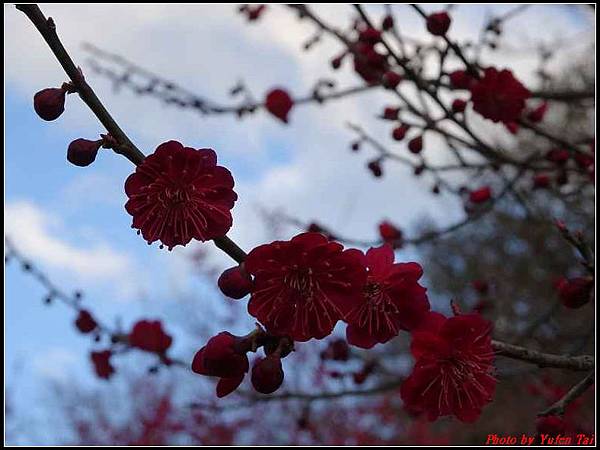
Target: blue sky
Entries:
(71, 220)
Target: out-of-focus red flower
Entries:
(541, 181)
(368, 62)
(391, 79)
(415, 145)
(453, 368)
(279, 103)
(499, 96)
(400, 132)
(49, 103)
(438, 23)
(459, 105)
(102, 365)
(149, 335)
(551, 425)
(178, 194)
(390, 234)
(302, 287)
(82, 152)
(558, 156)
(512, 127)
(393, 300)
(267, 374)
(537, 115)
(574, 292)
(85, 322)
(337, 350)
(481, 195)
(235, 282)
(253, 12)
(460, 79)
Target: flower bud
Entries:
(235, 282)
(400, 132)
(415, 145)
(82, 152)
(267, 374)
(85, 322)
(375, 168)
(279, 103)
(49, 103)
(438, 23)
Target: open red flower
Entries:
(499, 96)
(453, 368)
(393, 300)
(304, 286)
(102, 365)
(279, 103)
(178, 194)
(149, 335)
(461, 79)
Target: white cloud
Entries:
(39, 234)
(209, 47)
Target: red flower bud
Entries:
(400, 132)
(459, 105)
(387, 23)
(226, 386)
(391, 79)
(481, 195)
(267, 374)
(279, 103)
(574, 292)
(337, 350)
(390, 113)
(235, 282)
(415, 145)
(49, 103)
(438, 23)
(390, 234)
(82, 152)
(375, 168)
(85, 322)
(223, 356)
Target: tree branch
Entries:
(578, 363)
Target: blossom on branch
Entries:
(304, 286)
(393, 300)
(453, 372)
(178, 194)
(149, 335)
